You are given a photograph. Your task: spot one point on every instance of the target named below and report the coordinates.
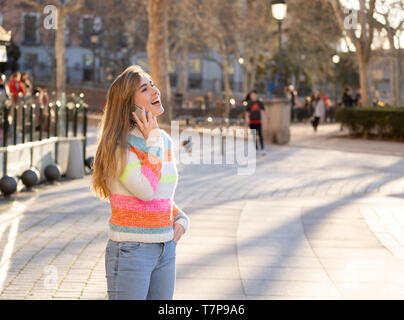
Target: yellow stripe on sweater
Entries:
(168, 178)
(128, 170)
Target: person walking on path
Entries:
(319, 109)
(135, 169)
(253, 116)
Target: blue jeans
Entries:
(139, 271)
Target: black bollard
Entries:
(52, 173)
(30, 177)
(8, 185)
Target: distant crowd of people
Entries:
(319, 107)
(20, 88)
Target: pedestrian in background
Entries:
(319, 110)
(16, 87)
(27, 83)
(358, 98)
(4, 91)
(253, 117)
(347, 100)
(133, 155)
(293, 102)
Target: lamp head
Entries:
(279, 9)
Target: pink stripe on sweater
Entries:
(132, 203)
(151, 176)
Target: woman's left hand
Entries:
(178, 232)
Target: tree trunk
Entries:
(226, 84)
(245, 80)
(157, 52)
(183, 72)
(364, 80)
(60, 54)
(253, 71)
(394, 74)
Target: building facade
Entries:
(86, 52)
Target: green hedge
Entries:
(384, 122)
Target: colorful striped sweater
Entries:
(142, 198)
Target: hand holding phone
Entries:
(148, 122)
(138, 110)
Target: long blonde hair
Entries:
(114, 129)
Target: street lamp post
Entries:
(335, 59)
(279, 9)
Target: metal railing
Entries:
(27, 122)
(212, 115)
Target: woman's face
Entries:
(147, 96)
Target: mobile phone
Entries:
(138, 110)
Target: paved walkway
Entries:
(310, 223)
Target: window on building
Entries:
(195, 65)
(31, 28)
(86, 31)
(173, 80)
(89, 4)
(30, 60)
(1, 19)
(172, 67)
(67, 32)
(230, 66)
(88, 67)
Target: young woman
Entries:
(134, 167)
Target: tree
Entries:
(64, 8)
(218, 22)
(157, 51)
(386, 19)
(312, 39)
(257, 39)
(121, 32)
(183, 37)
(361, 36)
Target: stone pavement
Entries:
(310, 223)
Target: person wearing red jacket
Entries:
(16, 86)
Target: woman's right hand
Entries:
(147, 123)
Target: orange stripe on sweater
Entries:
(150, 160)
(130, 218)
(175, 210)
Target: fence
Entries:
(212, 115)
(37, 131)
